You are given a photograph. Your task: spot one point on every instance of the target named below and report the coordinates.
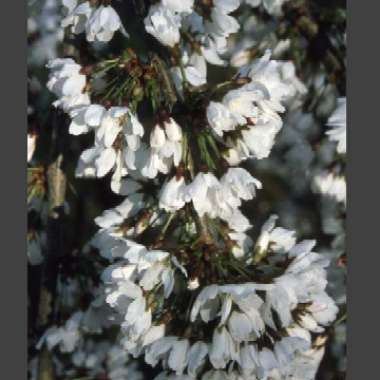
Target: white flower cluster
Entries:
(207, 25)
(106, 359)
(98, 22)
(66, 336)
(216, 198)
(254, 108)
(186, 286)
(78, 339)
(165, 149)
(251, 327)
(262, 327)
(68, 83)
(332, 183)
(99, 359)
(118, 132)
(209, 22)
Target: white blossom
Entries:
(165, 149)
(184, 6)
(76, 15)
(106, 155)
(223, 349)
(99, 23)
(162, 23)
(220, 118)
(67, 336)
(331, 185)
(65, 78)
(195, 71)
(31, 145)
(173, 194)
(337, 122)
(277, 239)
(102, 24)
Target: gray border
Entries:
(13, 191)
(363, 189)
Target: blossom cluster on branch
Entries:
(178, 280)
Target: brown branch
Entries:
(56, 184)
